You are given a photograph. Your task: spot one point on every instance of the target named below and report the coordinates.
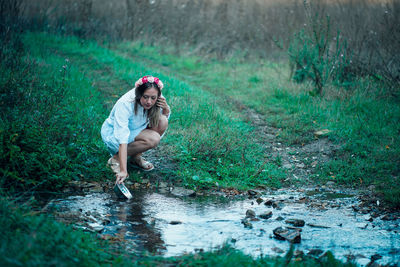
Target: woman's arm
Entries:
(162, 103)
(123, 158)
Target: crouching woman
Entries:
(136, 124)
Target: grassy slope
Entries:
(364, 123)
(209, 143)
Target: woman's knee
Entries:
(153, 139)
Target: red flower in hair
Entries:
(156, 80)
(144, 79)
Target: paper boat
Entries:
(122, 192)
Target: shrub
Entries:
(315, 55)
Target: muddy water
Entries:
(169, 225)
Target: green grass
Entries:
(208, 137)
(227, 256)
(210, 144)
(364, 122)
(49, 124)
(53, 103)
(28, 239)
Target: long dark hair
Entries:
(153, 114)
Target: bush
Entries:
(315, 55)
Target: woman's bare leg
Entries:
(162, 125)
(146, 140)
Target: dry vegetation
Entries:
(221, 27)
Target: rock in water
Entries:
(175, 222)
(250, 214)
(315, 252)
(290, 235)
(266, 215)
(268, 202)
(247, 224)
(259, 200)
(295, 222)
(252, 192)
(183, 192)
(277, 250)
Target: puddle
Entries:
(171, 226)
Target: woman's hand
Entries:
(162, 103)
(121, 176)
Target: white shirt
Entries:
(123, 125)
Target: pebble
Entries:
(259, 200)
(247, 224)
(296, 222)
(266, 215)
(183, 192)
(250, 214)
(175, 222)
(290, 235)
(277, 250)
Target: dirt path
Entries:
(299, 161)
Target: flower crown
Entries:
(150, 79)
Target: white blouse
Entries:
(123, 125)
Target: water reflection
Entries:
(145, 223)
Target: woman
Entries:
(136, 124)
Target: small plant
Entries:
(315, 55)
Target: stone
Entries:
(277, 250)
(294, 228)
(315, 252)
(290, 235)
(362, 225)
(175, 222)
(96, 227)
(295, 222)
(259, 200)
(372, 187)
(268, 202)
(298, 253)
(321, 133)
(317, 225)
(252, 192)
(247, 224)
(277, 206)
(280, 218)
(250, 214)
(376, 257)
(266, 215)
(183, 192)
(162, 185)
(330, 183)
(300, 165)
(388, 217)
